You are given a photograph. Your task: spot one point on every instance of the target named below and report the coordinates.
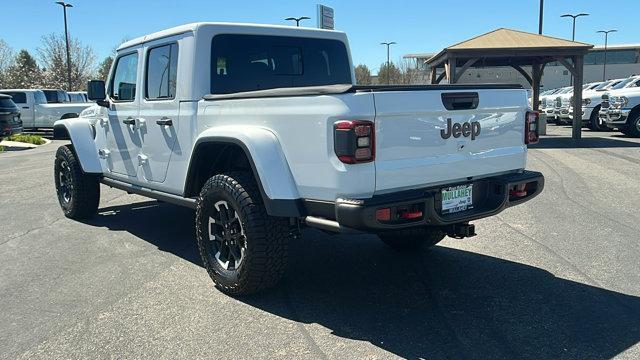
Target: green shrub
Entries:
(26, 138)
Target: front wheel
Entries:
(595, 123)
(78, 193)
(412, 239)
(243, 248)
(634, 126)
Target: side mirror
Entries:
(96, 92)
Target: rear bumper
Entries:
(490, 197)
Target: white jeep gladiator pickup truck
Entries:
(262, 131)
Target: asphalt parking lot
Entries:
(558, 277)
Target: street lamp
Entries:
(573, 34)
(606, 39)
(66, 37)
(297, 20)
(388, 44)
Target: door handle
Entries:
(25, 107)
(165, 121)
(129, 121)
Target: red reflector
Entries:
(518, 191)
(383, 214)
(363, 154)
(410, 215)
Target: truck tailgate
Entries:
(419, 144)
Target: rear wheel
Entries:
(412, 239)
(243, 249)
(78, 193)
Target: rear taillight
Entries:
(531, 134)
(354, 141)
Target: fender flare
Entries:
(79, 131)
(268, 163)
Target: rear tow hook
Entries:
(461, 231)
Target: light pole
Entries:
(66, 37)
(388, 44)
(573, 34)
(540, 17)
(606, 40)
(297, 20)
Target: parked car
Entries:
(621, 110)
(592, 100)
(78, 97)
(561, 106)
(10, 122)
(547, 103)
(262, 130)
(564, 102)
(37, 112)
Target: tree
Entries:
(6, 58)
(24, 73)
(363, 75)
(394, 74)
(104, 67)
(52, 55)
(410, 75)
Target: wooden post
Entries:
(578, 62)
(453, 76)
(535, 86)
(433, 75)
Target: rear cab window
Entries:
(123, 83)
(242, 63)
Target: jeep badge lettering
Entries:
(465, 129)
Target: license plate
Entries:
(457, 198)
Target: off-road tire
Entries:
(267, 238)
(412, 239)
(78, 193)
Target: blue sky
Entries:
(416, 25)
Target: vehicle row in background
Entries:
(557, 103)
(39, 109)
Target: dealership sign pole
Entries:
(325, 17)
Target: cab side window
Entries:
(18, 97)
(123, 84)
(162, 64)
